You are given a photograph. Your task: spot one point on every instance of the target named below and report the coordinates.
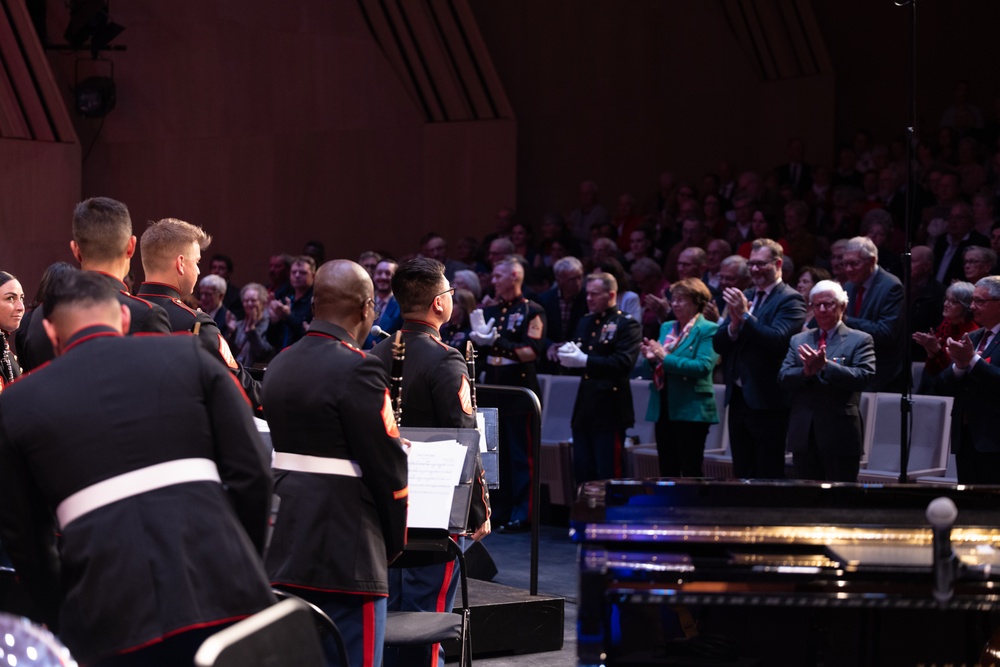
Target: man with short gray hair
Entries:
(876, 304)
(825, 370)
(565, 303)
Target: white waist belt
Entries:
(500, 361)
(133, 483)
(316, 464)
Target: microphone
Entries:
(379, 333)
(941, 512)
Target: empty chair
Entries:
(645, 461)
(718, 434)
(867, 409)
(555, 470)
(421, 628)
(950, 477)
(929, 438)
(283, 634)
(557, 408)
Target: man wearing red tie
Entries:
(974, 380)
(825, 371)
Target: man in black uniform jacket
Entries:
(435, 393)
(171, 250)
(162, 510)
(512, 349)
(340, 469)
(606, 349)
(102, 242)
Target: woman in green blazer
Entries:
(682, 402)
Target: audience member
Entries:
(222, 266)
(795, 173)
(652, 289)
(926, 296)
(876, 303)
(503, 221)
(682, 401)
(837, 260)
(717, 250)
(606, 351)
(956, 321)
(974, 380)
(877, 225)
(520, 236)
(387, 315)
(279, 269)
(693, 235)
(211, 290)
(802, 245)
(641, 245)
(469, 281)
(434, 246)
(762, 228)
(455, 332)
(808, 277)
(589, 212)
(369, 260)
(248, 336)
(978, 263)
(825, 371)
(565, 304)
(983, 214)
(753, 340)
(949, 247)
(290, 316)
(627, 220)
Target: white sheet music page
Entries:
(435, 468)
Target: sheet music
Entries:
(481, 427)
(434, 468)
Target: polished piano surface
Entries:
(774, 554)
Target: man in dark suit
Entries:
(875, 307)
(103, 243)
(974, 380)
(144, 451)
(949, 249)
(608, 347)
(795, 173)
(340, 469)
(753, 339)
(564, 305)
(436, 393)
(824, 372)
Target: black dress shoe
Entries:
(515, 526)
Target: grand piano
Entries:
(693, 572)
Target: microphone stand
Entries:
(906, 398)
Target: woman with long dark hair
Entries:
(11, 312)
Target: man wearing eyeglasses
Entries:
(387, 315)
(436, 392)
(974, 380)
(753, 339)
(876, 305)
(825, 371)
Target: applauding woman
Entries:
(683, 404)
(248, 337)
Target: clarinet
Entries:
(396, 377)
(470, 360)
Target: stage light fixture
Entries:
(95, 96)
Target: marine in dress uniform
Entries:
(162, 513)
(436, 393)
(606, 349)
(340, 469)
(171, 250)
(511, 349)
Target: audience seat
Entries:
(929, 438)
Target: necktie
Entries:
(822, 339)
(758, 300)
(984, 341)
(858, 298)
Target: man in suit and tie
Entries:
(753, 339)
(876, 305)
(796, 173)
(949, 249)
(824, 371)
(565, 304)
(974, 380)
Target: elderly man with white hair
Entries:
(824, 372)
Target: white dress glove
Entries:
(484, 339)
(572, 356)
(478, 324)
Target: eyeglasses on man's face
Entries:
(450, 290)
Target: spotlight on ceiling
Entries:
(95, 96)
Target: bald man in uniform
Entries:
(339, 465)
